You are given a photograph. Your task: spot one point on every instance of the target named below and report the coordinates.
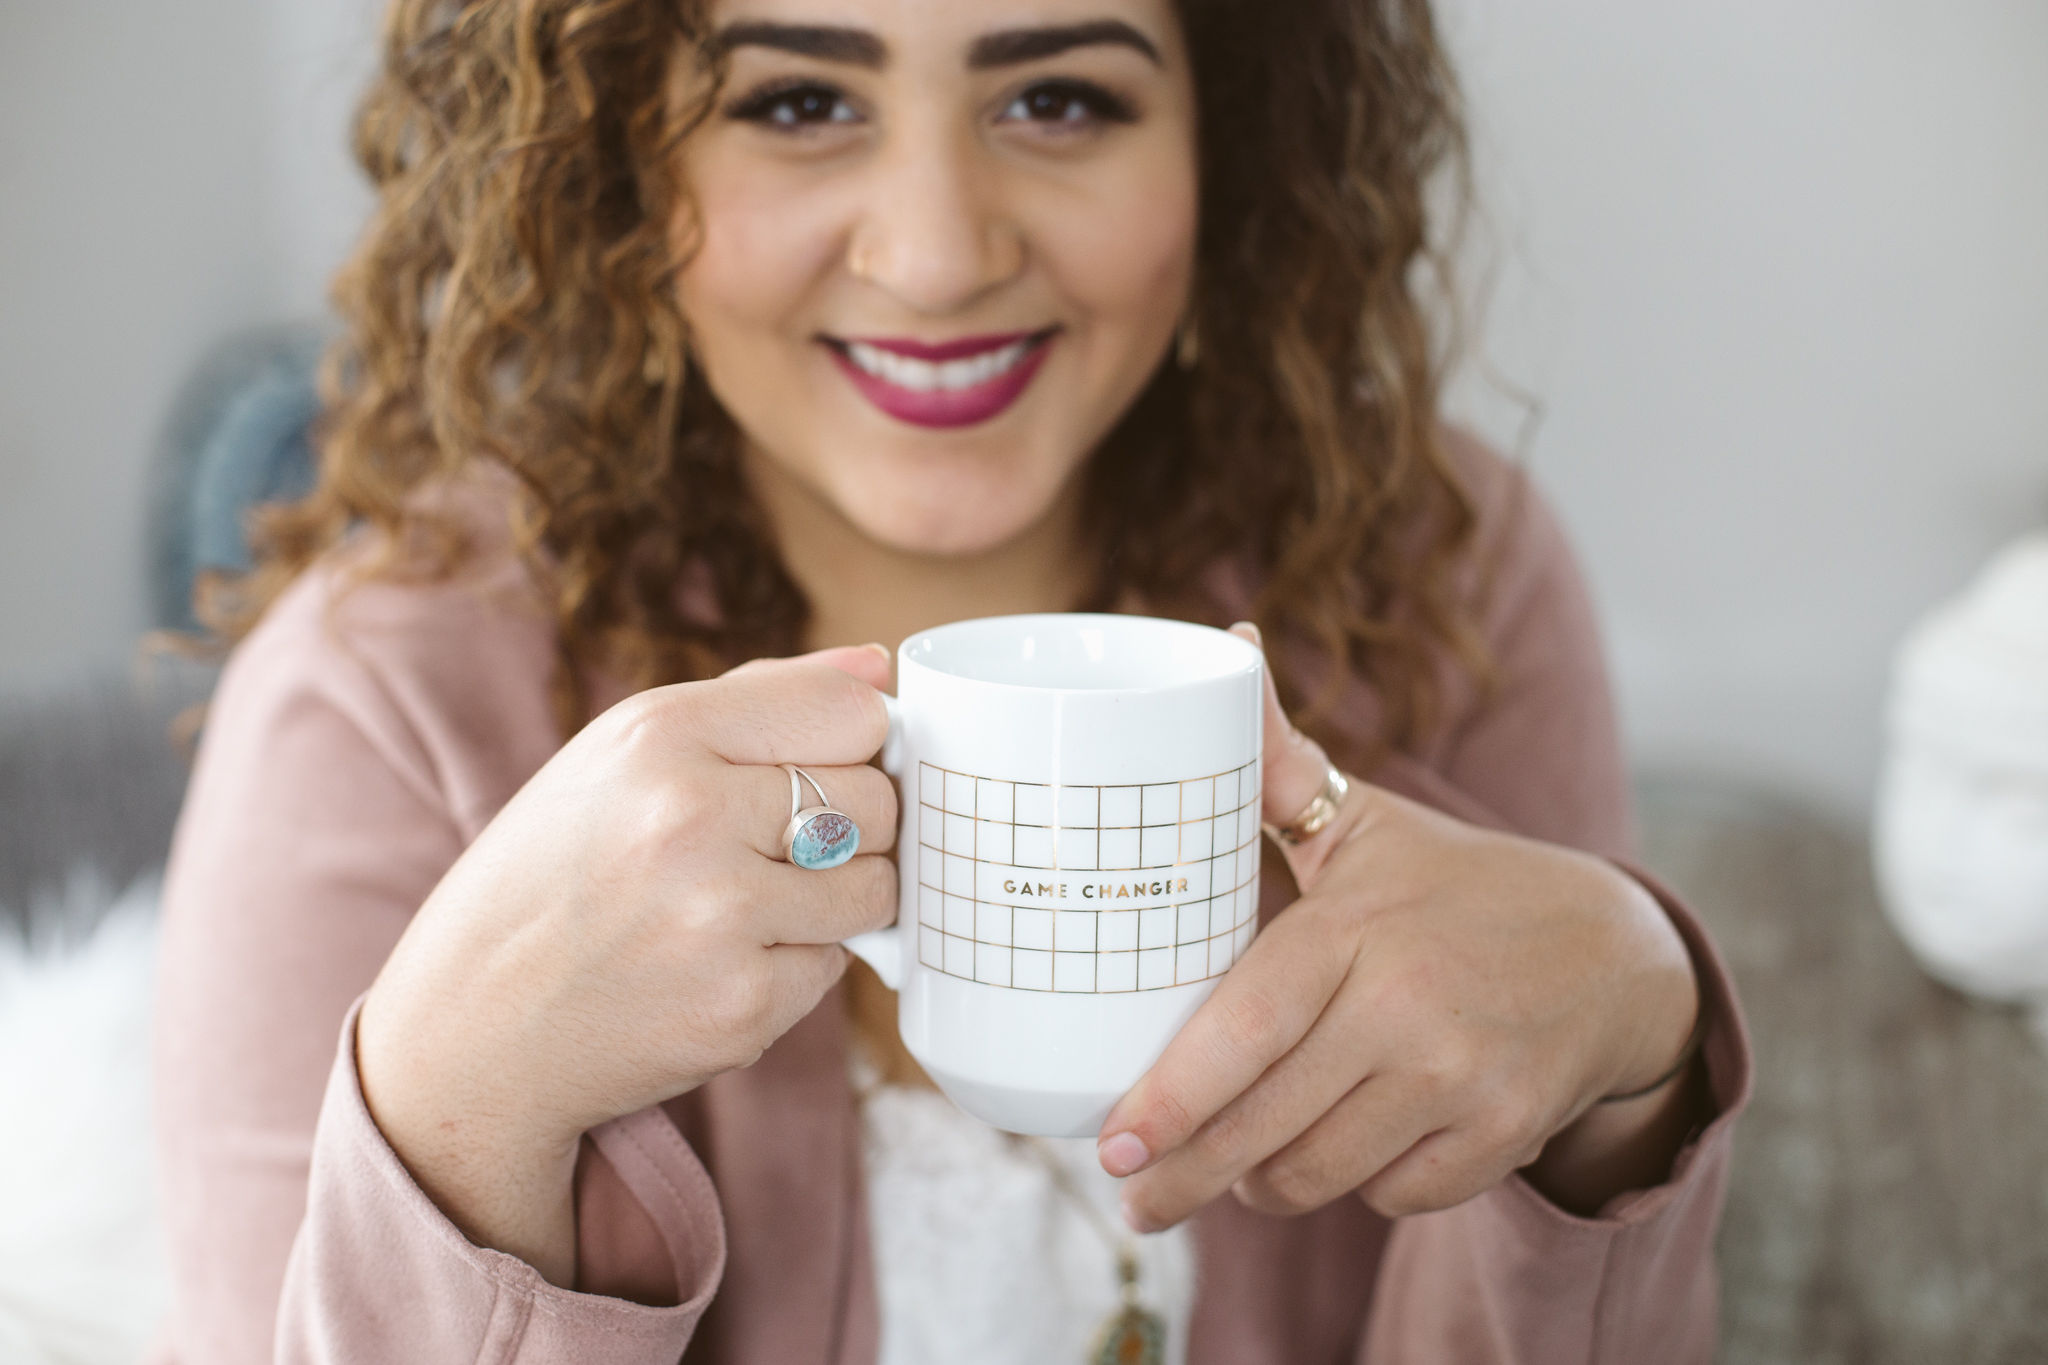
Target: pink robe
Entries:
(360, 740)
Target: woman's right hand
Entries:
(621, 932)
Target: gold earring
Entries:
(1187, 347)
(665, 355)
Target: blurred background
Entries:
(1776, 279)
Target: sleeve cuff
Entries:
(1635, 1282)
(379, 1272)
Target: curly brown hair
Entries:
(512, 301)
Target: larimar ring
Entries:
(817, 837)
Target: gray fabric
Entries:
(90, 781)
(1888, 1203)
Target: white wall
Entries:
(169, 173)
(130, 229)
(322, 55)
(1779, 274)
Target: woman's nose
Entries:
(933, 234)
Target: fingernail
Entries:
(878, 648)
(1122, 1153)
(1252, 626)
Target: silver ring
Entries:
(816, 837)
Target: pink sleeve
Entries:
(378, 1273)
(318, 819)
(1509, 1276)
(300, 855)
(1541, 748)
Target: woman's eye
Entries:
(1068, 104)
(794, 106)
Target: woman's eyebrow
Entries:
(859, 47)
(1010, 46)
(825, 42)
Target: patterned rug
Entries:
(1890, 1194)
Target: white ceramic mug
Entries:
(1079, 853)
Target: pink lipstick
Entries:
(943, 384)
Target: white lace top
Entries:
(980, 1257)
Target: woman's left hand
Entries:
(1439, 1005)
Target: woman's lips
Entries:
(943, 384)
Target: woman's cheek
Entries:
(1129, 257)
(759, 250)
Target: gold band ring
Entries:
(1317, 813)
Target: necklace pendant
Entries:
(1132, 1336)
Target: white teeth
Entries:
(923, 376)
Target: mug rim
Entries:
(1252, 658)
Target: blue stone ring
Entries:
(817, 837)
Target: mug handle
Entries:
(882, 949)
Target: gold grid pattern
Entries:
(1176, 865)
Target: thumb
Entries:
(1295, 770)
(871, 663)
(1295, 765)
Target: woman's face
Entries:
(939, 247)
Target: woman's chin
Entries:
(946, 524)
(955, 535)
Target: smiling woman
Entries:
(900, 186)
(989, 234)
(692, 333)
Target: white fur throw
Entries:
(1962, 811)
(82, 1269)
